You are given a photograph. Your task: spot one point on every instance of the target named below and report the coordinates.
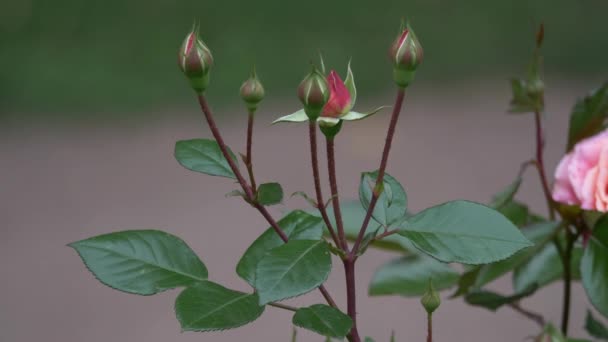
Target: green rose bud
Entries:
(406, 54)
(314, 93)
(252, 92)
(431, 300)
(195, 61)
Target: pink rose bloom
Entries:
(581, 178)
(339, 97)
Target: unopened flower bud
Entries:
(252, 92)
(406, 54)
(195, 61)
(430, 300)
(314, 93)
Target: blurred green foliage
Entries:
(91, 56)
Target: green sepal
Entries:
(299, 116)
(330, 126)
(353, 116)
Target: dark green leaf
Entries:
(466, 282)
(506, 195)
(519, 214)
(323, 320)
(208, 306)
(466, 232)
(143, 262)
(545, 267)
(392, 203)
(521, 102)
(270, 193)
(297, 225)
(588, 116)
(540, 234)
(292, 269)
(594, 265)
(409, 276)
(493, 301)
(205, 156)
(595, 328)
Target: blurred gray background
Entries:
(91, 103)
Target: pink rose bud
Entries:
(314, 93)
(339, 97)
(406, 54)
(581, 178)
(252, 92)
(195, 61)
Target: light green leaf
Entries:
(540, 234)
(297, 225)
(204, 156)
(588, 116)
(392, 203)
(295, 268)
(595, 328)
(409, 276)
(594, 265)
(299, 116)
(350, 85)
(269, 194)
(143, 262)
(369, 339)
(506, 195)
(323, 320)
(353, 116)
(327, 121)
(545, 267)
(466, 232)
(208, 306)
(492, 301)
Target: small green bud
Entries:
(430, 300)
(314, 93)
(195, 61)
(406, 54)
(252, 92)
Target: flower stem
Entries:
(248, 156)
(312, 130)
(383, 163)
(537, 318)
(351, 297)
(570, 239)
(249, 195)
(283, 306)
(333, 184)
(429, 324)
(540, 163)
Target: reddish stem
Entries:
(249, 154)
(540, 163)
(429, 321)
(351, 296)
(312, 129)
(249, 196)
(333, 184)
(383, 163)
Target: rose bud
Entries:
(406, 54)
(581, 178)
(430, 300)
(252, 92)
(314, 93)
(339, 102)
(195, 61)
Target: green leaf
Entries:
(507, 194)
(595, 328)
(521, 101)
(354, 116)
(588, 116)
(369, 339)
(299, 116)
(204, 156)
(297, 225)
(269, 194)
(519, 214)
(551, 334)
(594, 265)
(409, 276)
(540, 234)
(392, 203)
(143, 262)
(492, 301)
(295, 268)
(545, 267)
(323, 320)
(466, 282)
(349, 82)
(466, 232)
(208, 306)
